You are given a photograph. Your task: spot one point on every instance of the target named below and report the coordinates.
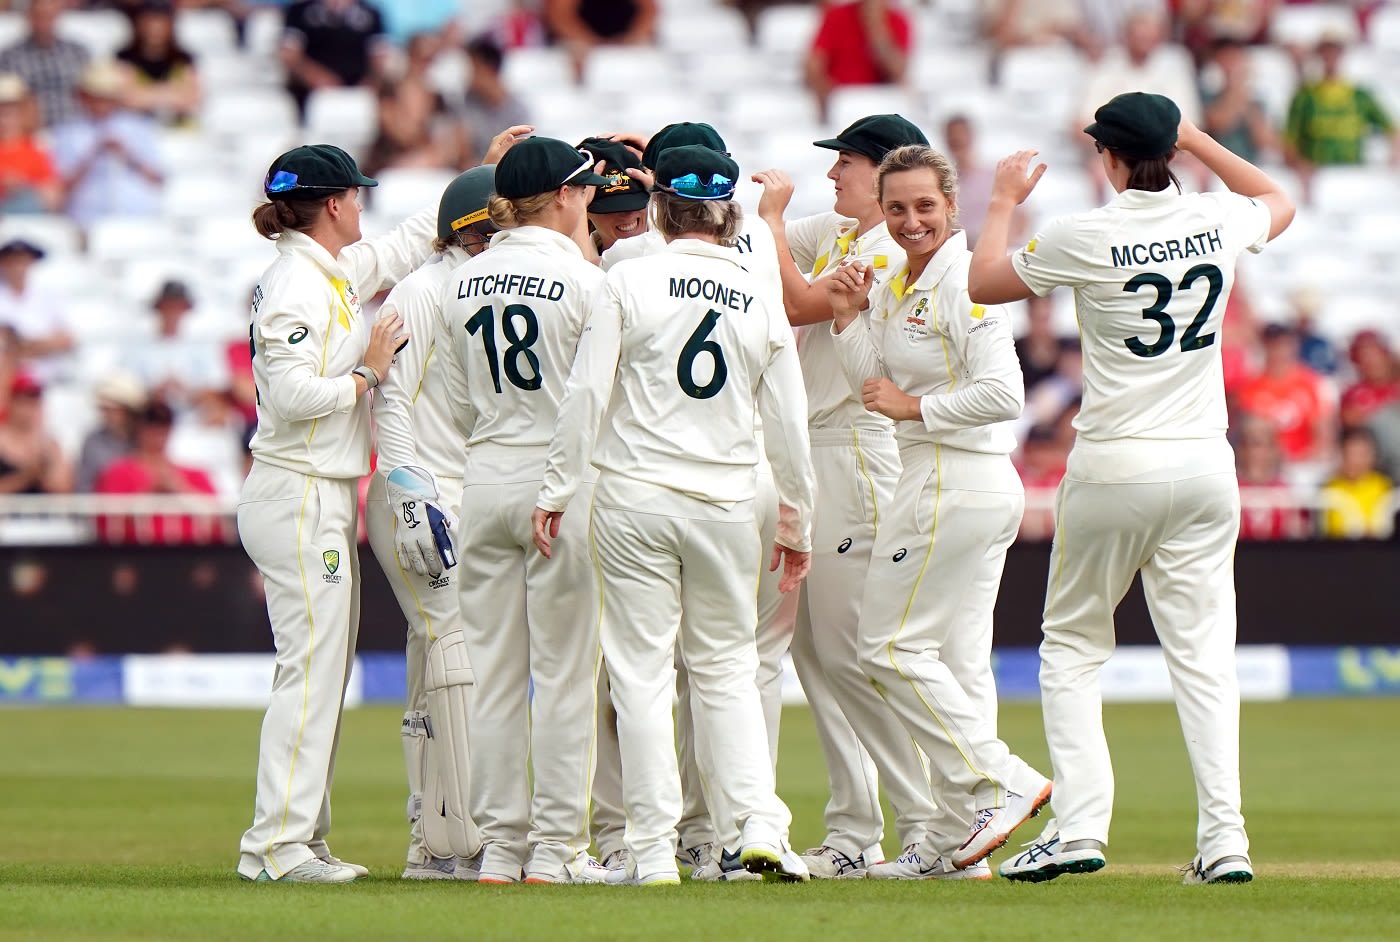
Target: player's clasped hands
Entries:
(848, 290)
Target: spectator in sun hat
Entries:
(109, 155)
(34, 311)
(28, 181)
(618, 210)
(120, 397)
(173, 361)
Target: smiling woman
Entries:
(946, 371)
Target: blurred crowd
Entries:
(1315, 416)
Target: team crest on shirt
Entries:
(332, 560)
(916, 324)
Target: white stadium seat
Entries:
(696, 30)
(196, 193)
(767, 109)
(57, 235)
(613, 70)
(205, 32)
(232, 113)
(787, 29)
(101, 32)
(1305, 24)
(537, 71)
(1385, 29)
(403, 192)
(12, 28)
(263, 32)
(346, 117)
(118, 238)
(852, 102)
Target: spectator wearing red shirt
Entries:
(1268, 509)
(1298, 402)
(862, 43)
(1378, 379)
(149, 470)
(28, 180)
(1042, 466)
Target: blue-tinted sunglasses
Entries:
(691, 187)
(284, 180)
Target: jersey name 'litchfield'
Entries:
(529, 286)
(1202, 243)
(711, 291)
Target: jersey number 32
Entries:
(1192, 339)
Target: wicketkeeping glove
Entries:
(420, 523)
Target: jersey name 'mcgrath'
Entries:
(530, 286)
(1202, 243)
(710, 291)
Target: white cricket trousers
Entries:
(530, 623)
(660, 553)
(429, 607)
(300, 533)
(857, 470)
(926, 624)
(1170, 509)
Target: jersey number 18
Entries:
(484, 322)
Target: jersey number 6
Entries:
(484, 322)
(1192, 339)
(696, 345)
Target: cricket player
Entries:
(857, 462)
(1151, 484)
(754, 249)
(417, 437)
(315, 355)
(946, 371)
(687, 339)
(508, 328)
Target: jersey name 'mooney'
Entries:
(1202, 243)
(529, 286)
(710, 290)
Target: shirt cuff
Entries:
(345, 394)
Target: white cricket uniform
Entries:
(756, 251)
(1150, 486)
(508, 329)
(681, 347)
(857, 463)
(925, 635)
(414, 426)
(297, 515)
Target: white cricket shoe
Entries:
(828, 863)
(433, 868)
(619, 859)
(1233, 869)
(992, 827)
(696, 857)
(1047, 857)
(912, 866)
(764, 852)
(468, 869)
(317, 870)
(727, 867)
(334, 861)
(584, 869)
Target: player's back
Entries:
(696, 336)
(1152, 273)
(515, 315)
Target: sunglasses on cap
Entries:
(691, 187)
(284, 180)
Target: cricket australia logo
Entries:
(332, 560)
(618, 182)
(916, 324)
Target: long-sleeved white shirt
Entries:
(681, 347)
(308, 332)
(820, 244)
(507, 331)
(931, 341)
(413, 420)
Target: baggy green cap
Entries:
(311, 171)
(1137, 125)
(876, 135)
(541, 164)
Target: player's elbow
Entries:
(1004, 400)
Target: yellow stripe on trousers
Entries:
(909, 606)
(869, 481)
(306, 674)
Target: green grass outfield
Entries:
(124, 824)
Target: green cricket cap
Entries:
(1137, 125)
(876, 135)
(682, 134)
(464, 200)
(311, 171)
(695, 172)
(622, 194)
(541, 164)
